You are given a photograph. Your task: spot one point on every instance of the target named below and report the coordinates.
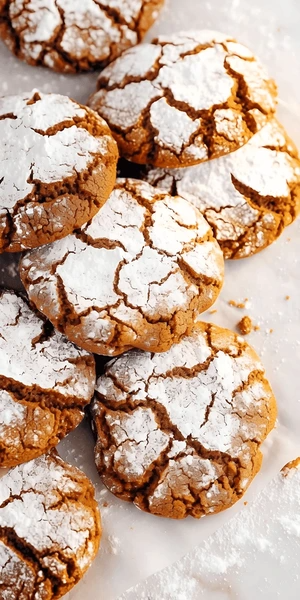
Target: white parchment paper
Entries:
(136, 544)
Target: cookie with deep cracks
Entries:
(137, 275)
(184, 99)
(45, 382)
(179, 433)
(74, 35)
(57, 168)
(50, 529)
(248, 197)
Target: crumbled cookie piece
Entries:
(179, 433)
(45, 382)
(66, 168)
(245, 325)
(136, 276)
(184, 99)
(74, 35)
(248, 197)
(49, 529)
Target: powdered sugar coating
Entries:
(144, 268)
(45, 381)
(200, 95)
(248, 196)
(265, 531)
(49, 522)
(48, 137)
(71, 35)
(207, 407)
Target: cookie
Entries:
(136, 276)
(248, 197)
(184, 99)
(49, 529)
(179, 433)
(57, 168)
(45, 382)
(74, 35)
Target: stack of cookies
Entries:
(124, 268)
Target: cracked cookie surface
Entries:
(179, 433)
(49, 529)
(57, 168)
(248, 197)
(137, 275)
(45, 382)
(184, 99)
(74, 35)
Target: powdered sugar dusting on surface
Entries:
(267, 531)
(128, 262)
(48, 363)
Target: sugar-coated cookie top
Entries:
(246, 196)
(48, 512)
(136, 275)
(184, 99)
(74, 35)
(194, 417)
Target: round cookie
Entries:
(184, 99)
(179, 433)
(49, 529)
(45, 382)
(74, 35)
(57, 168)
(248, 197)
(137, 275)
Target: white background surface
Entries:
(135, 544)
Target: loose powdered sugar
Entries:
(267, 532)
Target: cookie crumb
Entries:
(213, 311)
(244, 304)
(256, 328)
(245, 325)
(287, 297)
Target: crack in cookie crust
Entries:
(49, 529)
(248, 197)
(71, 35)
(179, 433)
(66, 168)
(184, 99)
(45, 382)
(136, 276)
